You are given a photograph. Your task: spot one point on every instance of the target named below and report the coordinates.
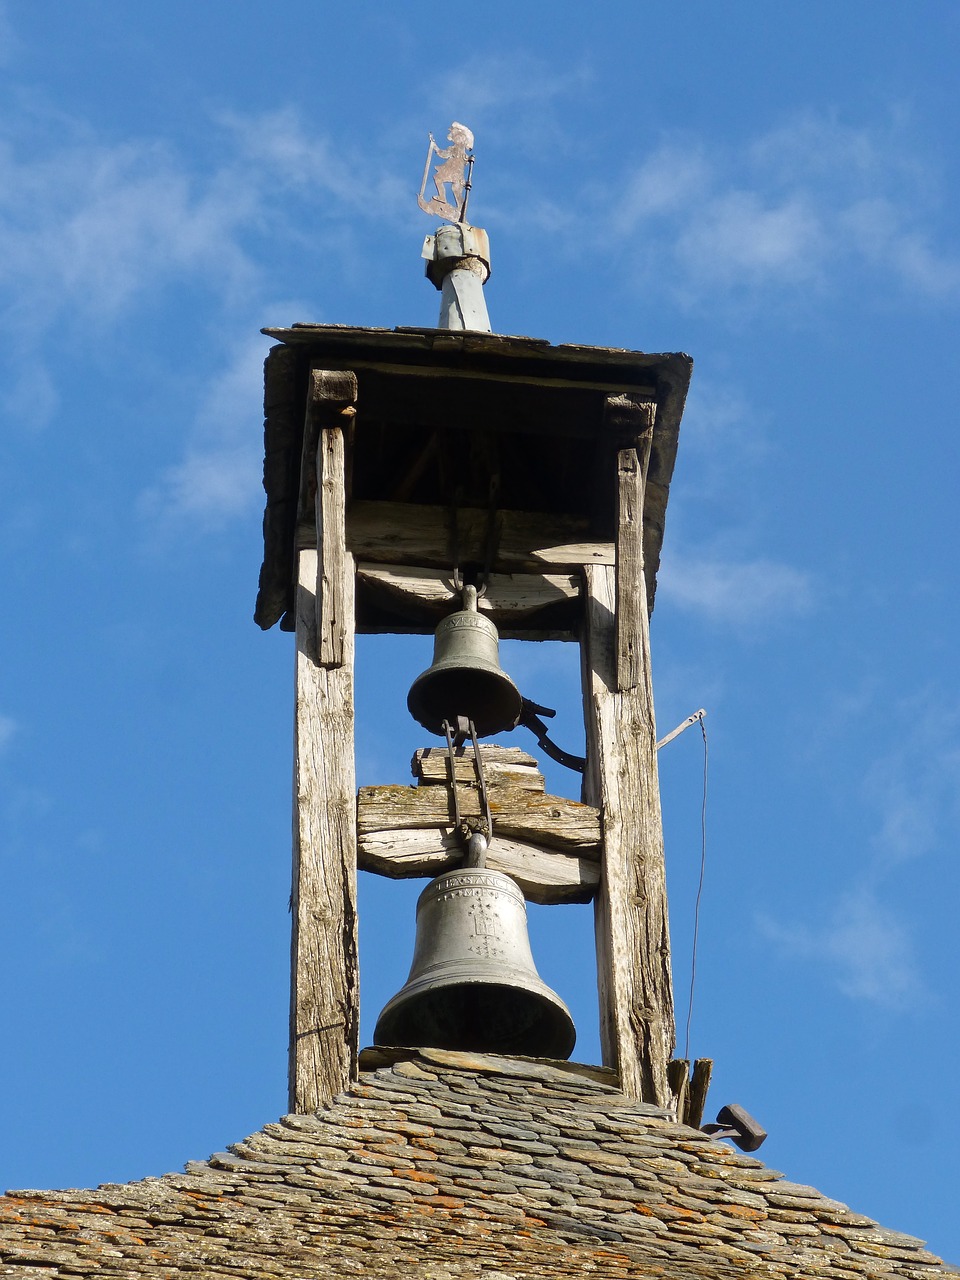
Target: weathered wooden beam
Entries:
(631, 598)
(432, 372)
(633, 944)
(330, 410)
(544, 875)
(324, 998)
(697, 1095)
(517, 814)
(690, 1091)
(502, 766)
(678, 1079)
(428, 594)
(418, 534)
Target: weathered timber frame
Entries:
(360, 426)
(324, 989)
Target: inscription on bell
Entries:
(477, 880)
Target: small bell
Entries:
(466, 678)
(473, 985)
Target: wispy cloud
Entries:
(788, 209)
(8, 730)
(494, 86)
(913, 790)
(911, 795)
(736, 592)
(219, 475)
(86, 228)
(92, 232)
(865, 949)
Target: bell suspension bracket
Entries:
(530, 713)
(474, 836)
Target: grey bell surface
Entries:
(465, 677)
(473, 985)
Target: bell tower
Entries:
(457, 481)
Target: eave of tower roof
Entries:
(429, 379)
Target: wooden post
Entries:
(330, 410)
(324, 998)
(633, 943)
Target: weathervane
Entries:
(455, 171)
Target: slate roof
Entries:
(443, 1166)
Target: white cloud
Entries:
(491, 86)
(736, 592)
(86, 228)
(790, 208)
(914, 790)
(866, 950)
(219, 475)
(740, 236)
(670, 179)
(8, 730)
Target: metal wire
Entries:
(696, 910)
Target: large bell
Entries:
(465, 678)
(473, 985)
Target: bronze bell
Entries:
(473, 985)
(465, 678)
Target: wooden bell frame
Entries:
(364, 430)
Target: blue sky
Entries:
(770, 188)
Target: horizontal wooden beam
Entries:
(434, 371)
(419, 535)
(544, 875)
(428, 594)
(502, 766)
(552, 821)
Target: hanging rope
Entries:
(696, 911)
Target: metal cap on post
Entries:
(458, 263)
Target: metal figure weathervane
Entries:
(454, 171)
(458, 256)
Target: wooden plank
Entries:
(429, 373)
(324, 999)
(502, 766)
(517, 814)
(633, 943)
(697, 1096)
(544, 875)
(428, 594)
(329, 406)
(678, 1078)
(631, 599)
(418, 534)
